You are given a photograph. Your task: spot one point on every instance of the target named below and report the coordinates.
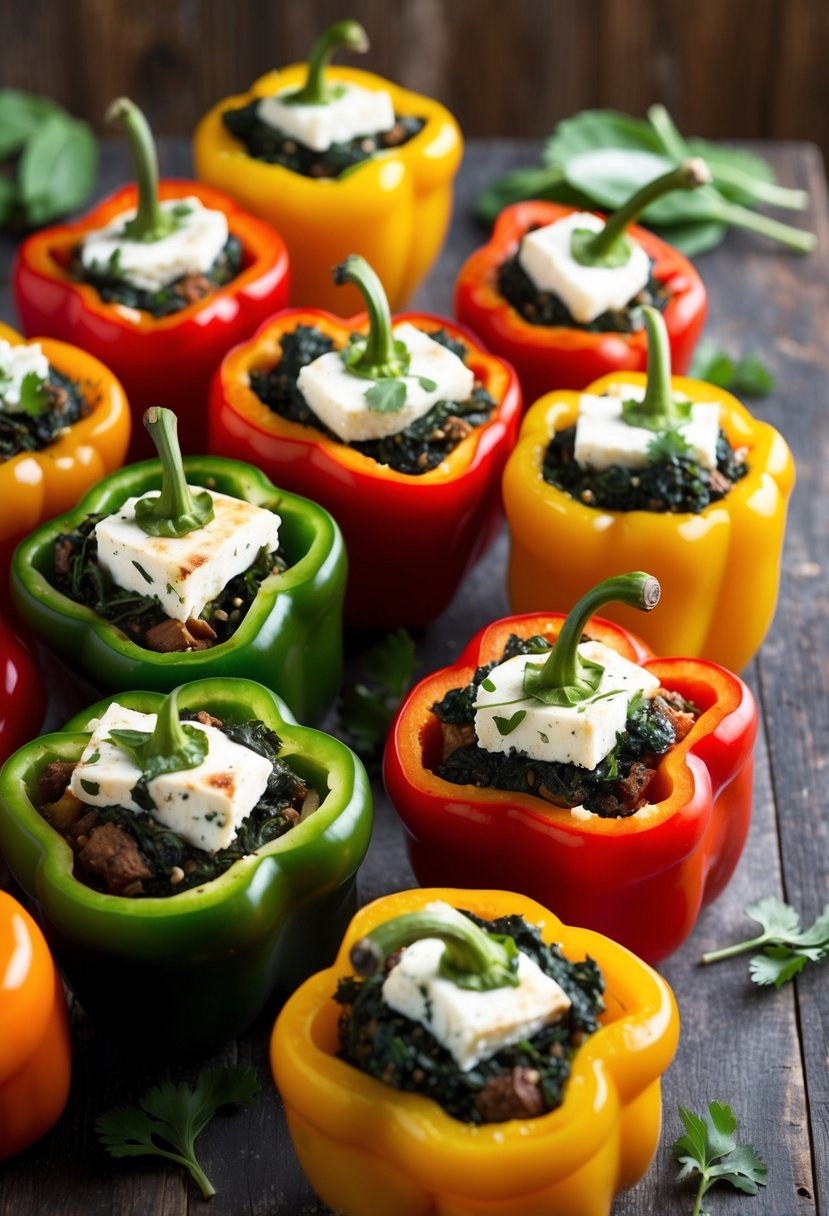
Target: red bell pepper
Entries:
(641, 879)
(166, 360)
(410, 538)
(22, 693)
(549, 357)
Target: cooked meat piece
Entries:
(200, 629)
(114, 856)
(515, 1095)
(58, 397)
(170, 635)
(455, 736)
(82, 827)
(207, 719)
(53, 780)
(456, 429)
(680, 719)
(63, 553)
(631, 788)
(194, 287)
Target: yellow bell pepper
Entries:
(370, 1150)
(719, 569)
(393, 208)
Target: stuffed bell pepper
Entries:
(610, 785)
(35, 1051)
(401, 431)
(64, 423)
(559, 292)
(337, 160)
(470, 1053)
(189, 854)
(22, 693)
(158, 281)
(171, 570)
(670, 467)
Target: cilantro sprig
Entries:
(747, 376)
(169, 1117)
(34, 397)
(368, 704)
(783, 948)
(709, 1149)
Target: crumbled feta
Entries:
(587, 291)
(17, 362)
(471, 1025)
(192, 247)
(603, 438)
(357, 111)
(185, 572)
(203, 805)
(338, 397)
(581, 734)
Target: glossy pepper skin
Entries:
(35, 1051)
(641, 879)
(410, 539)
(290, 639)
(554, 357)
(393, 208)
(719, 569)
(194, 969)
(347, 1126)
(165, 360)
(34, 486)
(22, 693)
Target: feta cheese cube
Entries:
(603, 438)
(471, 1025)
(191, 248)
(185, 572)
(580, 734)
(357, 111)
(17, 362)
(338, 397)
(588, 291)
(203, 805)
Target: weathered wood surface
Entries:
(764, 1052)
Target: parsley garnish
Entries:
(365, 712)
(784, 949)
(33, 395)
(709, 1149)
(668, 445)
(746, 377)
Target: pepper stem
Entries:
(168, 737)
(378, 356)
(343, 35)
(150, 222)
(658, 403)
(472, 958)
(176, 510)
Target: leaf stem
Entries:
(176, 510)
(765, 192)
(700, 1196)
(150, 222)
(716, 956)
(689, 175)
(343, 35)
(379, 357)
(793, 238)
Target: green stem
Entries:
(378, 356)
(193, 1168)
(700, 1196)
(658, 402)
(688, 176)
(176, 510)
(716, 956)
(563, 668)
(472, 958)
(150, 223)
(343, 35)
(666, 129)
(743, 217)
(168, 737)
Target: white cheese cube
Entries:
(17, 362)
(588, 291)
(580, 734)
(338, 397)
(203, 805)
(356, 112)
(185, 572)
(471, 1025)
(191, 248)
(603, 438)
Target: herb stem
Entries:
(343, 35)
(688, 176)
(700, 1196)
(793, 238)
(716, 956)
(176, 510)
(150, 222)
(380, 356)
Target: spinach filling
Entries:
(78, 575)
(617, 786)
(546, 308)
(113, 288)
(421, 446)
(61, 404)
(674, 482)
(525, 1080)
(264, 142)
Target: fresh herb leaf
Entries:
(57, 168)
(386, 396)
(785, 947)
(367, 705)
(746, 377)
(426, 384)
(668, 445)
(169, 1117)
(635, 414)
(90, 787)
(147, 578)
(568, 694)
(33, 396)
(20, 116)
(507, 725)
(709, 1149)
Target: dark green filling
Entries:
(546, 308)
(64, 405)
(404, 1054)
(265, 143)
(417, 449)
(613, 789)
(674, 483)
(78, 575)
(181, 293)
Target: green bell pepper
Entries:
(191, 970)
(290, 639)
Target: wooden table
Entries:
(762, 1051)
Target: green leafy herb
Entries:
(745, 377)
(784, 948)
(386, 397)
(170, 748)
(91, 787)
(507, 725)
(169, 1118)
(33, 395)
(710, 1150)
(57, 168)
(20, 116)
(668, 445)
(368, 705)
(142, 572)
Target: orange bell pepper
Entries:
(370, 1150)
(35, 1052)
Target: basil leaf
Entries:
(694, 238)
(57, 168)
(20, 116)
(386, 397)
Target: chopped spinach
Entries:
(63, 405)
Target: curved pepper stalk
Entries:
(177, 510)
(342, 36)
(150, 222)
(378, 356)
